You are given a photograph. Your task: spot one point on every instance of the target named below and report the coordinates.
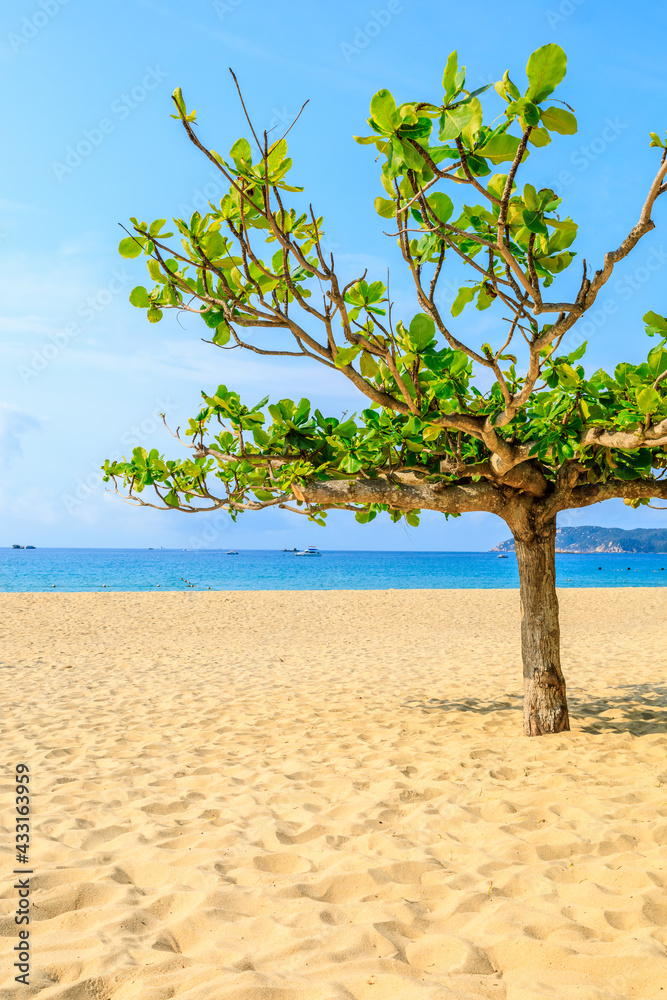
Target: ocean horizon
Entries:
(72, 570)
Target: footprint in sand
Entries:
(282, 864)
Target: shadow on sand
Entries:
(639, 709)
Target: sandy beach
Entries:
(327, 796)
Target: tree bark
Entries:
(545, 702)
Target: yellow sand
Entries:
(327, 796)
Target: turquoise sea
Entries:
(175, 569)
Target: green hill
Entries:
(591, 538)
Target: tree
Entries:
(516, 429)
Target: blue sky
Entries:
(84, 375)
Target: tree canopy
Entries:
(445, 425)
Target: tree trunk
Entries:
(545, 703)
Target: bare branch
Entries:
(643, 226)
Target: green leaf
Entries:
(477, 165)
(506, 88)
(564, 236)
(656, 322)
(431, 433)
(131, 246)
(302, 411)
(277, 154)
(453, 122)
(241, 154)
(656, 140)
(348, 429)
(351, 464)
(346, 355)
(139, 297)
(545, 69)
(368, 365)
(385, 207)
(548, 200)
(530, 198)
(539, 137)
(496, 185)
(559, 120)
(579, 353)
(529, 113)
(657, 361)
(475, 123)
(484, 300)
(459, 364)
(558, 263)
(442, 206)
(221, 335)
(384, 113)
(648, 399)
(154, 269)
(214, 245)
(464, 296)
(500, 148)
(421, 332)
(405, 153)
(154, 314)
(421, 129)
(449, 76)
(533, 222)
(177, 98)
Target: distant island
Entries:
(591, 538)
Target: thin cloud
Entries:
(15, 424)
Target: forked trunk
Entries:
(545, 703)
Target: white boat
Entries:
(232, 552)
(312, 550)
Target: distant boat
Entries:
(232, 552)
(503, 557)
(18, 546)
(312, 550)
(30, 546)
(291, 550)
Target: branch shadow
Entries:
(476, 705)
(640, 709)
